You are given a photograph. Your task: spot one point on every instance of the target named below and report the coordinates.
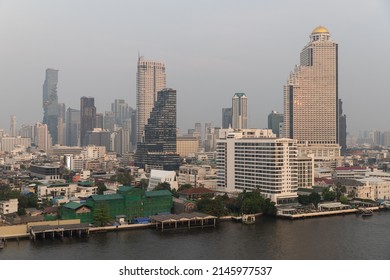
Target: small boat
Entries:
(366, 212)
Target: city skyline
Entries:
(233, 49)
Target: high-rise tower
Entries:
(226, 117)
(158, 151)
(311, 93)
(72, 127)
(13, 129)
(87, 117)
(150, 80)
(50, 103)
(240, 111)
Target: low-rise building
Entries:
(131, 202)
(162, 176)
(45, 172)
(353, 172)
(198, 176)
(9, 206)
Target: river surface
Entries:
(349, 237)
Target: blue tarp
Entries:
(140, 221)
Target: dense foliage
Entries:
(123, 178)
(101, 216)
(244, 203)
(314, 198)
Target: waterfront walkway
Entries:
(324, 213)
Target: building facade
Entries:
(87, 117)
(50, 103)
(275, 122)
(42, 137)
(240, 111)
(150, 80)
(226, 117)
(311, 93)
(158, 150)
(187, 146)
(246, 162)
(72, 127)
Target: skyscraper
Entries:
(43, 140)
(121, 111)
(13, 130)
(342, 129)
(239, 111)
(226, 117)
(275, 122)
(150, 80)
(72, 127)
(87, 117)
(311, 93)
(50, 103)
(158, 151)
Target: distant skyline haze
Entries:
(211, 49)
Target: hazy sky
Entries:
(212, 49)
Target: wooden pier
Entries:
(183, 221)
(59, 231)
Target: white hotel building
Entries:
(253, 158)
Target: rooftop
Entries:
(320, 29)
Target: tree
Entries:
(328, 195)
(269, 208)
(343, 199)
(184, 187)
(253, 202)
(123, 178)
(315, 198)
(21, 211)
(144, 183)
(101, 216)
(32, 200)
(340, 190)
(163, 186)
(304, 199)
(101, 187)
(6, 193)
(211, 206)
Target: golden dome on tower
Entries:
(320, 29)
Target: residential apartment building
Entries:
(248, 162)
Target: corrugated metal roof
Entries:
(73, 205)
(101, 197)
(182, 217)
(125, 188)
(158, 193)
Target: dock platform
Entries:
(324, 213)
(59, 231)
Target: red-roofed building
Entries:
(353, 172)
(195, 193)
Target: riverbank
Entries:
(22, 231)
